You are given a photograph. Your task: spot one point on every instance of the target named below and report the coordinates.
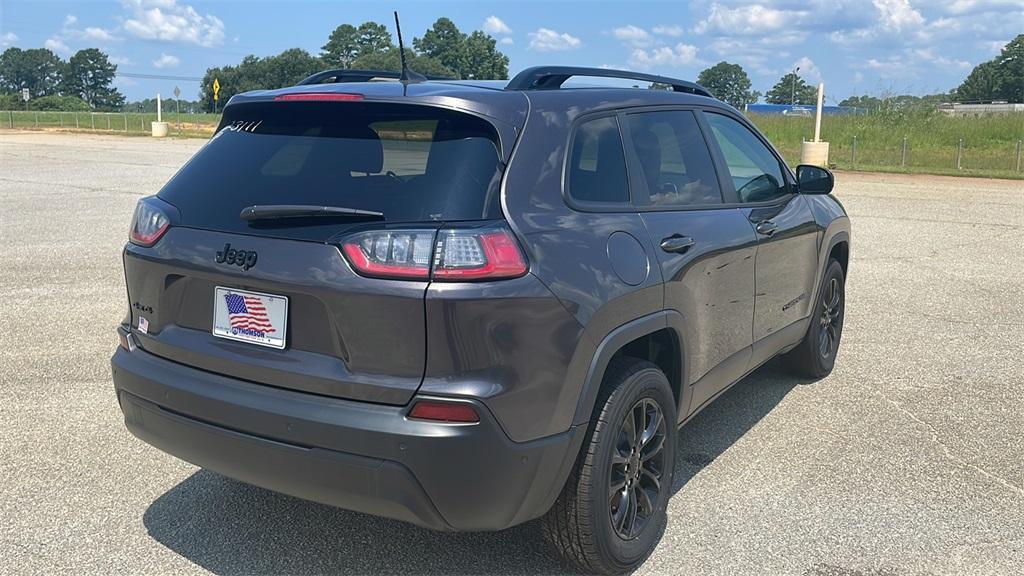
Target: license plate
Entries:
(251, 317)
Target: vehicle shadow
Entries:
(228, 527)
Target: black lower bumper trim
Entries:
(348, 481)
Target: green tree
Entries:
(981, 85)
(863, 102)
(346, 43)
(473, 56)
(90, 75)
(342, 47)
(791, 89)
(728, 82)
(1001, 78)
(38, 69)
(445, 43)
(483, 60)
(374, 38)
(255, 73)
(391, 62)
(1010, 66)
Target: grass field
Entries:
(989, 143)
(184, 125)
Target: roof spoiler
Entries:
(347, 75)
(552, 78)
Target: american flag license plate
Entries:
(250, 316)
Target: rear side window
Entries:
(412, 163)
(756, 172)
(597, 163)
(674, 159)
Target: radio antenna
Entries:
(407, 76)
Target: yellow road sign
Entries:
(216, 89)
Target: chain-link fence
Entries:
(123, 122)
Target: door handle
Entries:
(766, 227)
(677, 243)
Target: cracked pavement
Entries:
(907, 460)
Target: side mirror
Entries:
(814, 179)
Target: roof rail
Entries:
(348, 75)
(552, 77)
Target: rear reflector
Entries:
(444, 412)
(318, 97)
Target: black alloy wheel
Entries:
(635, 482)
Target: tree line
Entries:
(85, 80)
(82, 82)
(443, 51)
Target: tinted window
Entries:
(674, 159)
(755, 171)
(412, 163)
(597, 164)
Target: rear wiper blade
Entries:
(278, 211)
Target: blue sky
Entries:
(855, 47)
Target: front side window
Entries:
(755, 171)
(674, 159)
(597, 163)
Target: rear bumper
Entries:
(358, 456)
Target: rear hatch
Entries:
(269, 296)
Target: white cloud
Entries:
(546, 40)
(90, 34)
(172, 22)
(506, 41)
(166, 61)
(808, 69)
(97, 34)
(753, 19)
(121, 60)
(990, 46)
(679, 55)
(960, 7)
(674, 31)
(495, 25)
(633, 35)
(8, 38)
(57, 45)
(897, 14)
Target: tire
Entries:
(814, 358)
(580, 524)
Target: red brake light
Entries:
(477, 255)
(444, 412)
(318, 97)
(457, 255)
(402, 254)
(148, 224)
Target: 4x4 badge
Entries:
(243, 258)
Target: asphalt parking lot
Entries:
(908, 459)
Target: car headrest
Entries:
(365, 153)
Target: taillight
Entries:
(487, 254)
(458, 255)
(401, 254)
(148, 224)
(457, 412)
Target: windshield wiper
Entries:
(279, 211)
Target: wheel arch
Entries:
(658, 338)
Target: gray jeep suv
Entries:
(467, 305)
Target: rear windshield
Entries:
(411, 163)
